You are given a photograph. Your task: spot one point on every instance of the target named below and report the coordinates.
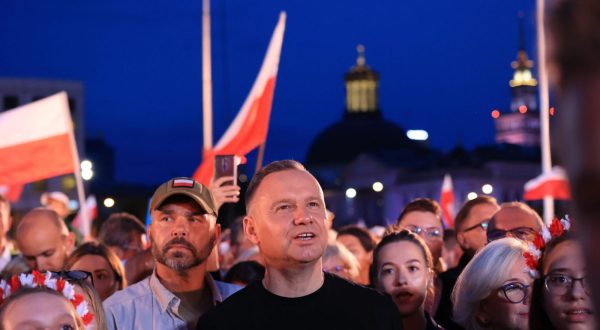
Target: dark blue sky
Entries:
(444, 65)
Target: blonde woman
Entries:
(494, 290)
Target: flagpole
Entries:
(206, 77)
(78, 180)
(544, 108)
(261, 155)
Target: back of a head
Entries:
(118, 229)
(487, 271)
(362, 234)
(465, 210)
(274, 167)
(245, 272)
(421, 205)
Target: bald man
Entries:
(44, 240)
(516, 220)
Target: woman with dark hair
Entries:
(561, 297)
(403, 268)
(107, 271)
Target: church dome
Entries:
(363, 130)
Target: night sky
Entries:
(444, 65)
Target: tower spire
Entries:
(361, 86)
(360, 59)
(521, 31)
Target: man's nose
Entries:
(303, 215)
(180, 226)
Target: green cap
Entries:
(184, 186)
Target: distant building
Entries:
(520, 126)
(370, 169)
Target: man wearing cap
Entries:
(182, 234)
(286, 218)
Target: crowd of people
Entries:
(283, 266)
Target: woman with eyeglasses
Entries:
(561, 296)
(107, 271)
(338, 260)
(493, 291)
(403, 268)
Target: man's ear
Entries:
(218, 233)
(70, 242)
(250, 229)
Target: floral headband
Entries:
(534, 251)
(36, 279)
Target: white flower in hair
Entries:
(534, 250)
(566, 222)
(82, 308)
(69, 291)
(533, 273)
(546, 234)
(27, 280)
(50, 282)
(5, 289)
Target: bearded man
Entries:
(183, 232)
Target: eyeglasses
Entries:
(559, 284)
(515, 292)
(427, 233)
(483, 225)
(522, 233)
(74, 276)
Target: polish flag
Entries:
(249, 128)
(447, 201)
(84, 223)
(36, 141)
(554, 184)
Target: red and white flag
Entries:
(249, 128)
(447, 201)
(84, 223)
(554, 184)
(12, 192)
(36, 141)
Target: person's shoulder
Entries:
(241, 296)
(138, 291)
(344, 287)
(236, 304)
(227, 289)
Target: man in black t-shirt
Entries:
(286, 219)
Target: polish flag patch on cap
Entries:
(183, 183)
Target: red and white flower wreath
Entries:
(534, 253)
(36, 279)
